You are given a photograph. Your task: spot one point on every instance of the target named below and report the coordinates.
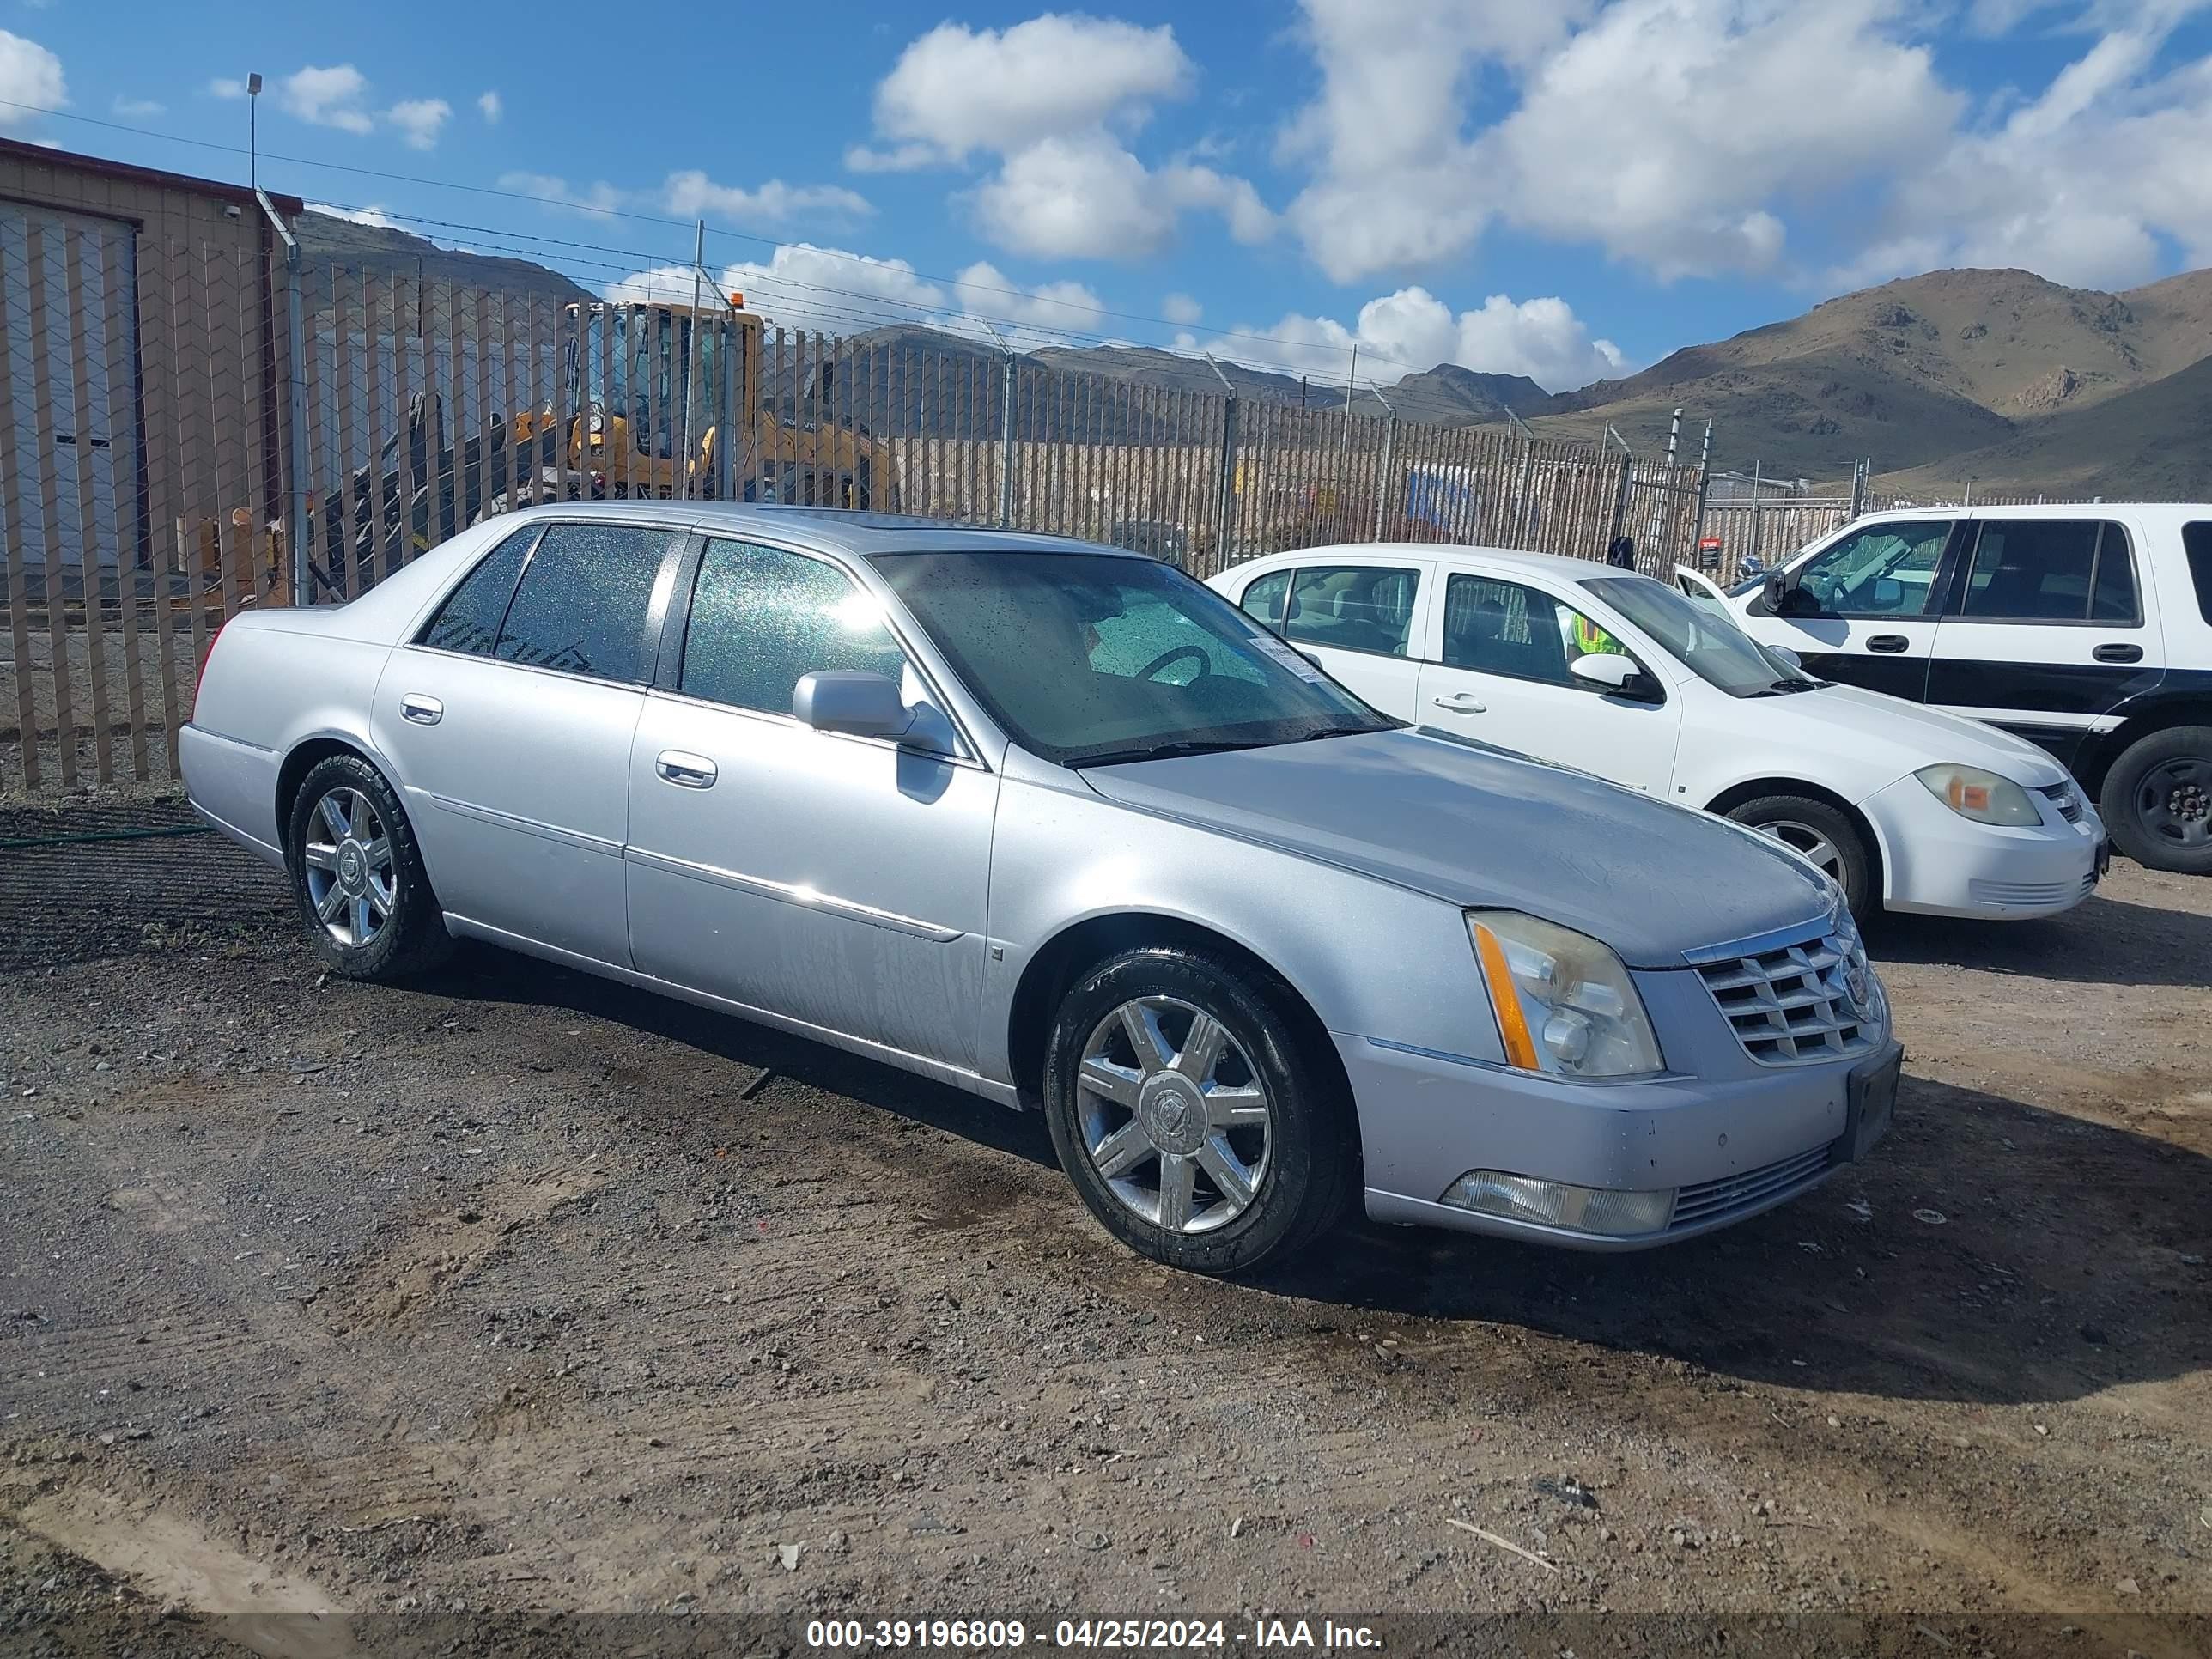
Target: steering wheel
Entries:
(1171, 655)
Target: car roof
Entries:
(2151, 510)
(829, 529)
(1556, 565)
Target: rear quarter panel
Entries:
(281, 678)
(270, 688)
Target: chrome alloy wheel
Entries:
(351, 881)
(1805, 839)
(1173, 1114)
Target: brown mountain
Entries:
(1910, 374)
(2145, 443)
(328, 242)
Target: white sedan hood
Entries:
(1890, 735)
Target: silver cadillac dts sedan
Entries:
(1059, 825)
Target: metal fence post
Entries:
(1007, 446)
(1389, 447)
(295, 400)
(1224, 505)
(1521, 503)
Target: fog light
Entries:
(1555, 1204)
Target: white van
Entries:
(1611, 672)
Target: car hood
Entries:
(1481, 827)
(1907, 736)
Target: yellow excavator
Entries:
(660, 389)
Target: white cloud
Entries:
(491, 106)
(956, 90)
(375, 217)
(595, 201)
(1249, 220)
(1025, 319)
(694, 195)
(810, 288)
(224, 86)
(29, 73)
(326, 97)
(1411, 329)
(1081, 197)
(1055, 101)
(674, 284)
(1694, 138)
(419, 119)
(137, 109)
(1180, 308)
(2080, 185)
(1397, 182)
(1666, 131)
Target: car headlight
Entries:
(1564, 1002)
(1982, 796)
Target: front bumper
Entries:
(1937, 863)
(1731, 1147)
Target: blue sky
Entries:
(1565, 190)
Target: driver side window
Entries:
(1884, 570)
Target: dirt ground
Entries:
(454, 1313)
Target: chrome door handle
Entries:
(421, 710)
(1463, 703)
(685, 771)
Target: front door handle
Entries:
(1463, 703)
(685, 771)
(2122, 653)
(1888, 644)
(420, 710)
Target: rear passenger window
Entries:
(2050, 570)
(2197, 541)
(469, 620)
(582, 604)
(762, 619)
(1353, 607)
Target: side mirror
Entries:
(851, 701)
(1786, 654)
(1614, 675)
(1776, 592)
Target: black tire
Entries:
(412, 939)
(1853, 863)
(1311, 1165)
(2157, 800)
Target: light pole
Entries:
(253, 131)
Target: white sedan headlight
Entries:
(1982, 796)
(1565, 1004)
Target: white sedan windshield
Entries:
(1705, 639)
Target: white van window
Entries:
(2050, 570)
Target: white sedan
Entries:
(1906, 807)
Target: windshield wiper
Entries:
(1164, 751)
